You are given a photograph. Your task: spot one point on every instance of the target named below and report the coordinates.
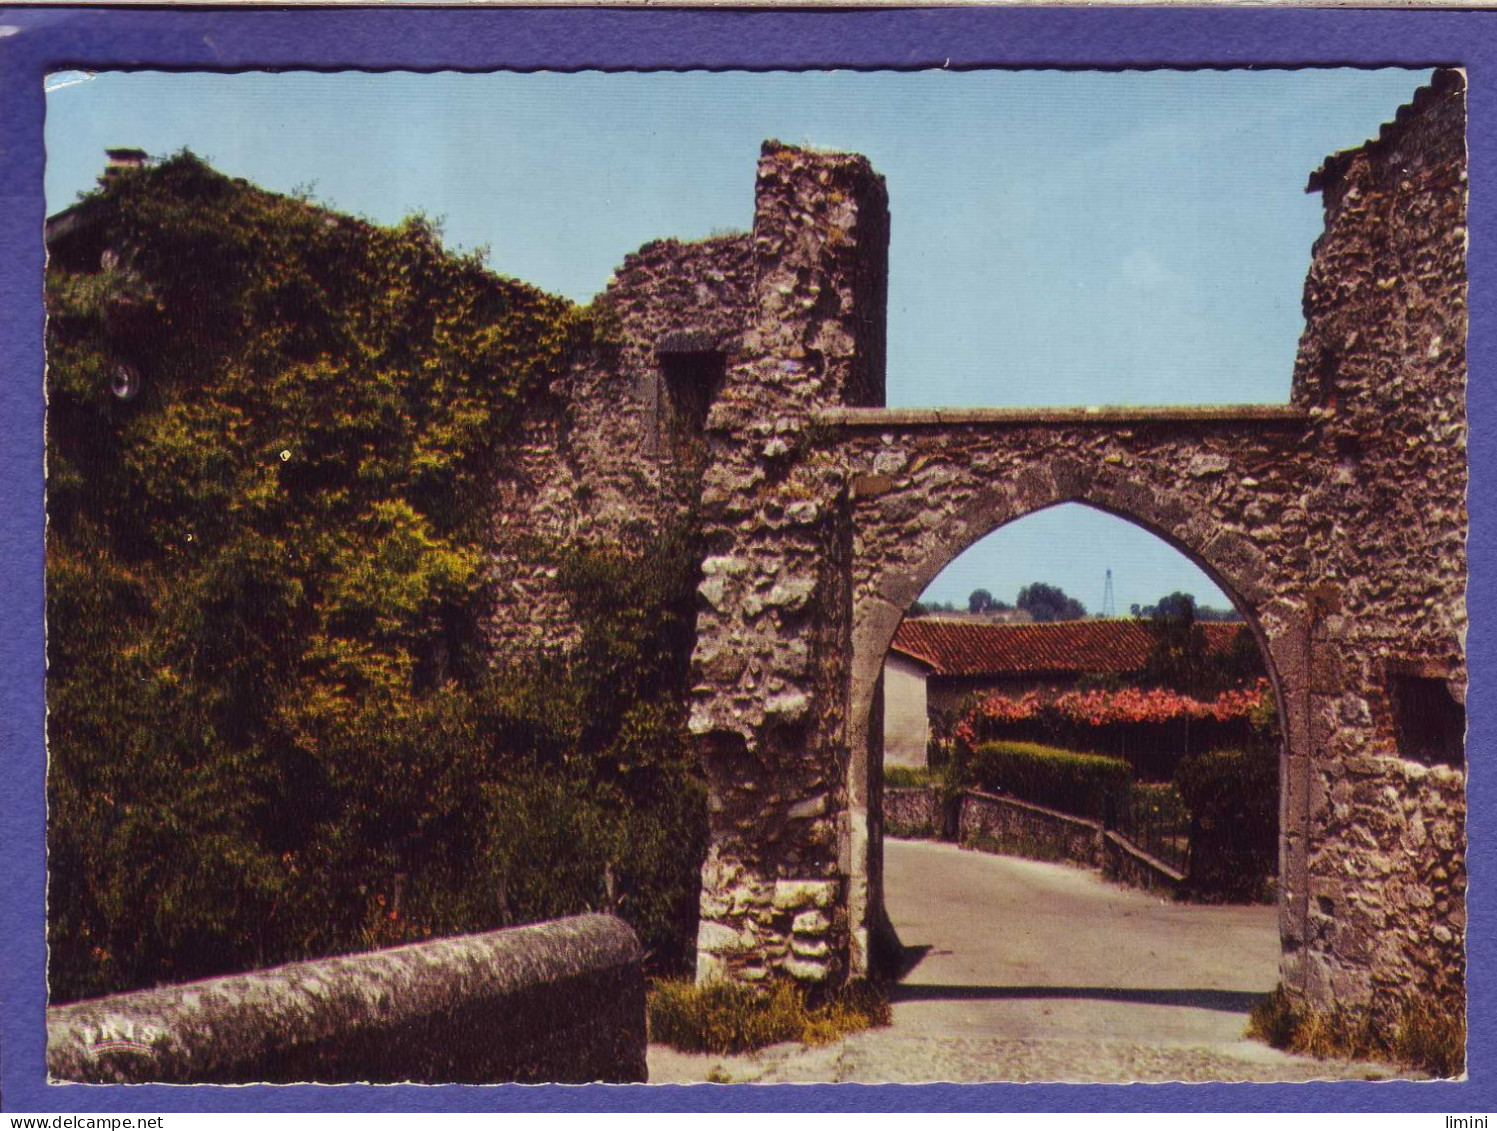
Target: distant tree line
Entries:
(1171, 606)
(1046, 603)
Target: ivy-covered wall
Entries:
(276, 440)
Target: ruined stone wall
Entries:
(597, 462)
(792, 316)
(774, 629)
(1337, 524)
(1381, 369)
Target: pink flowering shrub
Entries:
(1151, 727)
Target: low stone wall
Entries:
(913, 813)
(562, 1001)
(1128, 864)
(1019, 828)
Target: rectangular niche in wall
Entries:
(1429, 721)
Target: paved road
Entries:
(1031, 971)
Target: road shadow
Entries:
(1222, 1001)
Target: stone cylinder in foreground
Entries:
(559, 1002)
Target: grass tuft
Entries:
(1429, 1038)
(1432, 1039)
(907, 777)
(722, 1017)
(1273, 1020)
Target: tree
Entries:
(1203, 613)
(1049, 603)
(981, 601)
(1181, 659)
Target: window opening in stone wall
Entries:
(1144, 747)
(691, 382)
(1429, 721)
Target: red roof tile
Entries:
(953, 647)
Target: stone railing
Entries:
(992, 823)
(915, 813)
(561, 1001)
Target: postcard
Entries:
(567, 566)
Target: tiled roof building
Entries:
(935, 663)
(967, 648)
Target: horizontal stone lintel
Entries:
(876, 418)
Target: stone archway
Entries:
(874, 627)
(1337, 521)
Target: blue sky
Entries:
(1057, 237)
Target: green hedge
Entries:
(1087, 785)
(1233, 798)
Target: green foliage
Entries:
(637, 610)
(1233, 798)
(1180, 658)
(272, 732)
(722, 1017)
(1159, 805)
(1048, 603)
(1087, 785)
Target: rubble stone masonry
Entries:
(747, 377)
(601, 460)
(1382, 373)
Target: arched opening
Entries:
(1147, 746)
